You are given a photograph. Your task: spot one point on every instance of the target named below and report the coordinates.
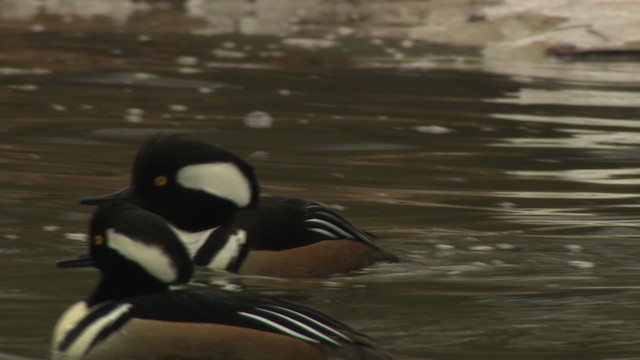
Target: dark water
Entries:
(512, 199)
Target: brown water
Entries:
(512, 200)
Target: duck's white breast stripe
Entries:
(81, 344)
(68, 321)
(278, 327)
(229, 251)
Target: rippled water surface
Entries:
(512, 200)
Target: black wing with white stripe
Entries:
(246, 310)
(279, 223)
(328, 222)
(296, 324)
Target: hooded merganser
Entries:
(207, 193)
(134, 314)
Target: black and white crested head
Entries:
(136, 251)
(192, 184)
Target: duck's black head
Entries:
(192, 184)
(136, 251)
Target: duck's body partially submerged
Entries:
(211, 198)
(133, 314)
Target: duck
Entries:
(211, 198)
(144, 308)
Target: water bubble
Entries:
(271, 54)
(345, 31)
(506, 204)
(228, 44)
(259, 155)
(433, 129)
(229, 54)
(307, 43)
(38, 28)
(143, 76)
(8, 71)
(330, 36)
(187, 60)
(479, 264)
(406, 43)
(574, 247)
(188, 70)
(58, 107)
(134, 115)
(481, 248)
(444, 247)
(135, 111)
(504, 246)
(25, 87)
(75, 236)
(581, 264)
(178, 108)
(258, 120)
(133, 118)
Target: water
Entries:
(510, 195)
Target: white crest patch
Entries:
(224, 180)
(150, 257)
(229, 251)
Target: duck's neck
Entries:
(226, 249)
(114, 289)
(193, 240)
(219, 248)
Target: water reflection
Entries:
(570, 120)
(572, 97)
(511, 198)
(594, 176)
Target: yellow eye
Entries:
(161, 180)
(98, 240)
